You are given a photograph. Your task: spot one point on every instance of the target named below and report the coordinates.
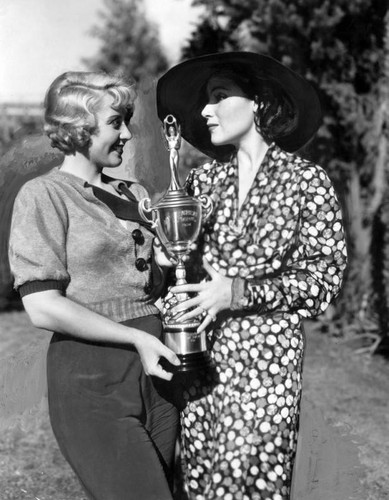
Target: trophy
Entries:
(177, 219)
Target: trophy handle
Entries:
(207, 206)
(145, 208)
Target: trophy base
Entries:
(194, 361)
(189, 345)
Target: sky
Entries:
(39, 39)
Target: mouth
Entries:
(118, 149)
(211, 126)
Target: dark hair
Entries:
(276, 115)
(72, 101)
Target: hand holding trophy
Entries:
(177, 219)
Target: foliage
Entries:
(207, 39)
(25, 157)
(16, 125)
(129, 41)
(339, 47)
(380, 224)
(380, 261)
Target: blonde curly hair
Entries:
(72, 101)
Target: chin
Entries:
(115, 162)
(219, 142)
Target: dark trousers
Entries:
(115, 426)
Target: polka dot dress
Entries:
(285, 250)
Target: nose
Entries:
(125, 132)
(207, 111)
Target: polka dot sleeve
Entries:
(201, 179)
(311, 272)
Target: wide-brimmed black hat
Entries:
(180, 91)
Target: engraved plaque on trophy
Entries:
(177, 219)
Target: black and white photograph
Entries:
(194, 249)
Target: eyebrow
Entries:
(218, 87)
(110, 117)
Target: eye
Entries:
(220, 96)
(116, 123)
(217, 96)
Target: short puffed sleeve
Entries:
(37, 246)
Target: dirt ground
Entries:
(349, 390)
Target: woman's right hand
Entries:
(151, 351)
(51, 311)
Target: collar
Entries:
(126, 209)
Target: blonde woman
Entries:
(82, 261)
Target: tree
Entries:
(129, 41)
(130, 47)
(339, 47)
(380, 235)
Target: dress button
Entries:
(141, 264)
(138, 236)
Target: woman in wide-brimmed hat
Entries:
(273, 253)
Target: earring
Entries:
(256, 103)
(259, 104)
(257, 118)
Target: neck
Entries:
(251, 156)
(80, 166)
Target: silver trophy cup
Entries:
(177, 219)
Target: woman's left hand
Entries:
(163, 258)
(212, 297)
(161, 255)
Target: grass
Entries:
(349, 391)
(31, 465)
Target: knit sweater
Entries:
(63, 237)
